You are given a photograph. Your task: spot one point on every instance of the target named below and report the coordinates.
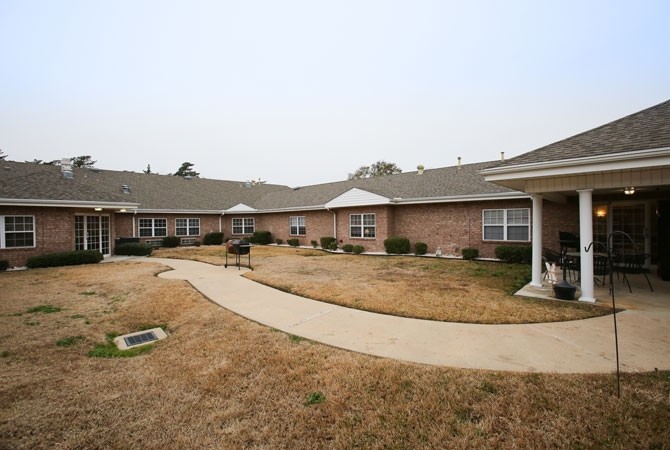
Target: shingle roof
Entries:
(45, 182)
(644, 130)
(433, 183)
(164, 192)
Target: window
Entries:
(297, 226)
(17, 231)
(245, 225)
(506, 224)
(153, 227)
(362, 225)
(187, 227)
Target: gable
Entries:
(357, 197)
(241, 207)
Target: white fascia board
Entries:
(279, 210)
(462, 198)
(178, 211)
(604, 163)
(67, 203)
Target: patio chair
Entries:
(633, 264)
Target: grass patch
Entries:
(315, 398)
(230, 382)
(295, 339)
(44, 309)
(110, 350)
(69, 341)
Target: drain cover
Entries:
(139, 338)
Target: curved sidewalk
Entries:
(584, 346)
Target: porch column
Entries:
(585, 238)
(536, 280)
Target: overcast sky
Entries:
(305, 92)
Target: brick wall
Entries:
(54, 232)
(124, 224)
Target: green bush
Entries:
(293, 242)
(4, 265)
(213, 238)
(65, 259)
(522, 254)
(261, 237)
(347, 248)
(133, 249)
(315, 244)
(171, 241)
(358, 249)
(396, 245)
(326, 242)
(279, 241)
(420, 248)
(470, 253)
(332, 246)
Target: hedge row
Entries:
(65, 259)
(214, 238)
(515, 254)
(133, 249)
(4, 265)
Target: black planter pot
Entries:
(564, 290)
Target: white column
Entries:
(536, 272)
(585, 238)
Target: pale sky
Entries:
(305, 92)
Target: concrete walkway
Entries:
(584, 346)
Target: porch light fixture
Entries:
(97, 209)
(629, 190)
(122, 210)
(601, 212)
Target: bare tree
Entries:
(378, 169)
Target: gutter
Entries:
(67, 203)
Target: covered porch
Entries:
(618, 178)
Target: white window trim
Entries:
(297, 225)
(3, 239)
(188, 226)
(362, 226)
(246, 229)
(505, 225)
(153, 226)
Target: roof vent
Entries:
(459, 163)
(125, 188)
(187, 177)
(420, 169)
(502, 156)
(66, 167)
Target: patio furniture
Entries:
(632, 264)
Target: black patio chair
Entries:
(633, 264)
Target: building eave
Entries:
(611, 162)
(67, 203)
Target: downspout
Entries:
(134, 230)
(221, 221)
(334, 223)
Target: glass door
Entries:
(92, 233)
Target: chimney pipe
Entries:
(420, 169)
(459, 163)
(502, 156)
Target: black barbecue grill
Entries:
(239, 248)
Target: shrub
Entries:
(420, 248)
(470, 253)
(133, 249)
(4, 265)
(358, 249)
(65, 259)
(515, 253)
(326, 241)
(261, 237)
(315, 244)
(293, 242)
(279, 241)
(213, 238)
(332, 246)
(396, 245)
(171, 241)
(347, 248)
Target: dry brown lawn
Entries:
(425, 288)
(220, 381)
